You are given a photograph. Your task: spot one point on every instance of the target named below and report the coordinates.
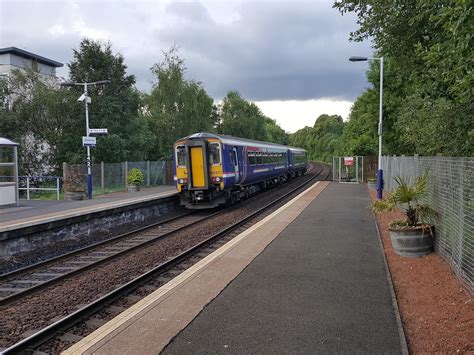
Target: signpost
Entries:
(88, 141)
(98, 131)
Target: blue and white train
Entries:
(213, 169)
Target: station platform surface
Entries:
(32, 212)
(309, 278)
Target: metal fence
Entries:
(451, 193)
(110, 177)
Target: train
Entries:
(214, 169)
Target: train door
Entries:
(197, 167)
(235, 162)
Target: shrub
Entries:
(135, 177)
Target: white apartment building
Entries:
(15, 58)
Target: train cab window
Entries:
(252, 159)
(214, 154)
(181, 155)
(259, 158)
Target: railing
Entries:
(32, 184)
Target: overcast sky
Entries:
(289, 57)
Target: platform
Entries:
(309, 278)
(33, 212)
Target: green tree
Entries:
(176, 107)
(241, 118)
(114, 106)
(274, 133)
(428, 97)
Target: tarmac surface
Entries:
(319, 287)
(34, 209)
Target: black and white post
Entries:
(379, 168)
(86, 141)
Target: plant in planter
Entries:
(414, 235)
(134, 179)
(74, 183)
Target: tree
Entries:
(274, 133)
(176, 107)
(114, 106)
(32, 115)
(428, 49)
(240, 118)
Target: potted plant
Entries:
(74, 183)
(134, 179)
(372, 183)
(413, 236)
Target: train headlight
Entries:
(183, 181)
(217, 179)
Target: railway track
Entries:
(175, 264)
(22, 282)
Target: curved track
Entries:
(134, 240)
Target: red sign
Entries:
(348, 161)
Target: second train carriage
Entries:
(213, 169)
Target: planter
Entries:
(372, 185)
(74, 195)
(411, 241)
(133, 188)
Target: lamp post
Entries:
(379, 171)
(87, 100)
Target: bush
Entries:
(135, 177)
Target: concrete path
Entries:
(319, 287)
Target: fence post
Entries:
(27, 187)
(64, 178)
(125, 173)
(57, 188)
(102, 178)
(147, 173)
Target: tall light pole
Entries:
(87, 100)
(379, 171)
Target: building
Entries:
(14, 58)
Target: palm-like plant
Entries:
(407, 196)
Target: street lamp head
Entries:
(358, 59)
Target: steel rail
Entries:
(57, 258)
(47, 283)
(70, 320)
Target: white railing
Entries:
(27, 184)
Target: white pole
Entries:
(88, 159)
(380, 171)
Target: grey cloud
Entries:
(270, 50)
(275, 50)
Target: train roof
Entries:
(235, 140)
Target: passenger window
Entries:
(259, 158)
(181, 155)
(214, 154)
(251, 158)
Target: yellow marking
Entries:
(197, 167)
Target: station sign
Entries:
(88, 141)
(98, 131)
(348, 161)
